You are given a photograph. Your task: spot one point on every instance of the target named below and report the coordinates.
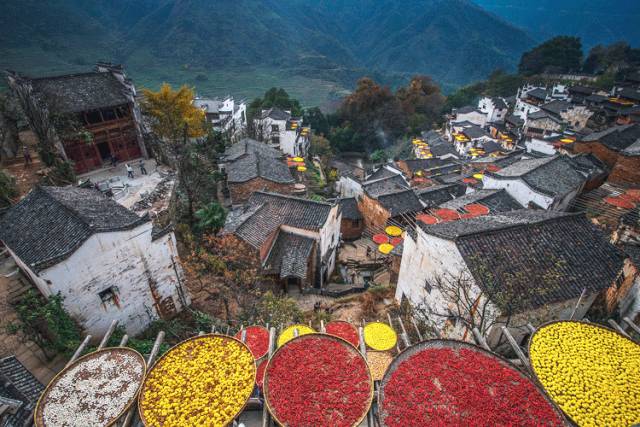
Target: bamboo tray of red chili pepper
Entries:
(344, 330)
(318, 380)
(446, 382)
(257, 339)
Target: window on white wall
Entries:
(110, 296)
(427, 286)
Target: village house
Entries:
(280, 129)
(511, 269)
(436, 195)
(252, 166)
(295, 240)
(225, 115)
(497, 201)
(495, 108)
(575, 116)
(101, 102)
(542, 183)
(19, 393)
(541, 124)
(388, 199)
(352, 224)
(619, 148)
(348, 178)
(104, 260)
(469, 114)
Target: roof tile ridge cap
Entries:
(67, 208)
(559, 216)
(288, 196)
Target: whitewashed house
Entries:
(107, 262)
(280, 129)
(510, 269)
(469, 114)
(225, 115)
(544, 183)
(495, 108)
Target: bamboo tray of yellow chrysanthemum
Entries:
(205, 380)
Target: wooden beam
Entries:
(124, 340)
(480, 339)
(129, 418)
(107, 335)
(415, 325)
(516, 347)
(632, 325)
(79, 350)
(404, 335)
(618, 328)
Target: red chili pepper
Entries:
(316, 380)
(344, 330)
(257, 339)
(443, 386)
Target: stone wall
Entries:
(626, 170)
(351, 229)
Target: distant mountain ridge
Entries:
(594, 21)
(208, 43)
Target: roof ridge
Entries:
(288, 196)
(561, 215)
(64, 206)
(65, 76)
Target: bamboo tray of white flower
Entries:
(94, 391)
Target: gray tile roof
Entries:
(467, 109)
(475, 132)
(526, 259)
(496, 200)
(633, 149)
(18, 385)
(415, 165)
(349, 208)
(556, 107)
(74, 93)
(276, 114)
(538, 93)
(265, 212)
(499, 103)
(380, 186)
(400, 203)
(289, 256)
(553, 176)
(50, 223)
(249, 146)
(616, 138)
(442, 148)
(255, 165)
(630, 93)
(439, 194)
(382, 172)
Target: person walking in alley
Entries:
(143, 169)
(27, 155)
(129, 171)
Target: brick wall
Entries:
(351, 229)
(626, 170)
(609, 157)
(375, 216)
(240, 192)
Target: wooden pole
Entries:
(516, 347)
(391, 324)
(79, 350)
(573, 313)
(415, 325)
(322, 328)
(243, 335)
(363, 350)
(128, 420)
(213, 329)
(272, 341)
(531, 328)
(405, 336)
(107, 335)
(618, 328)
(480, 339)
(632, 325)
(124, 340)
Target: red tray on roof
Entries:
(477, 209)
(427, 219)
(380, 238)
(447, 214)
(470, 181)
(634, 193)
(395, 241)
(620, 203)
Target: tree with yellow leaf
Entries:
(172, 113)
(174, 119)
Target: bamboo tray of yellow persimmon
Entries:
(205, 380)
